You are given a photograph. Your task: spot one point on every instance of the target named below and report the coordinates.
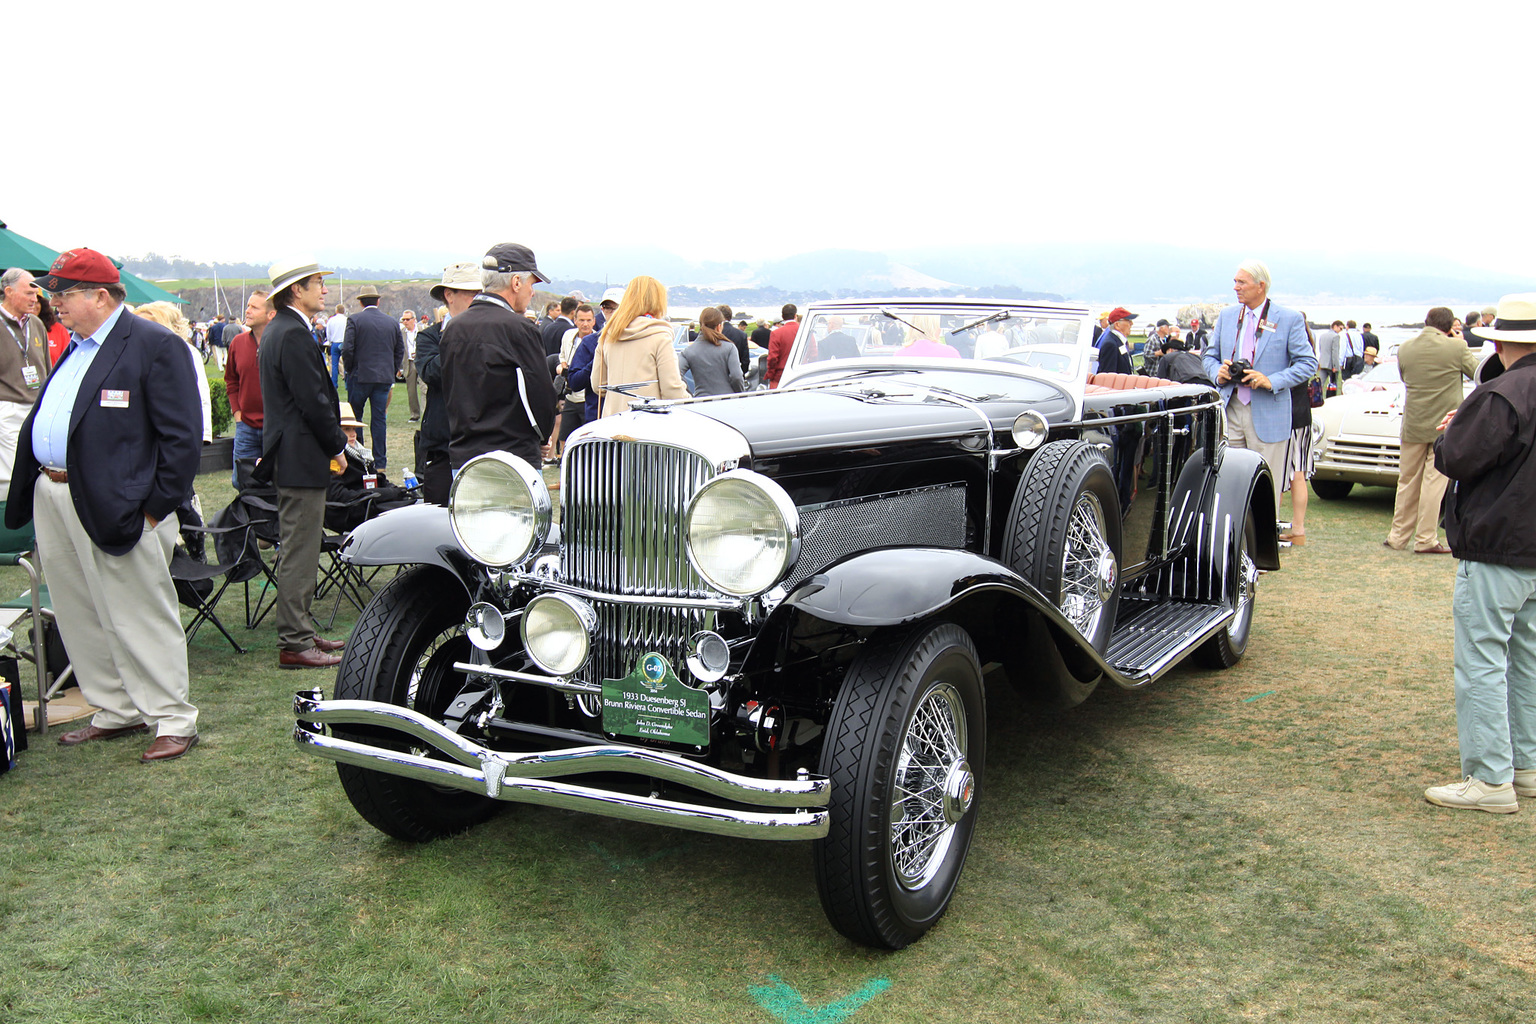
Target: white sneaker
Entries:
(1475, 795)
(1525, 781)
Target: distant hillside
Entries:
(1134, 273)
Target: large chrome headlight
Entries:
(500, 509)
(743, 532)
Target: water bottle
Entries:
(410, 479)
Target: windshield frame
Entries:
(1058, 362)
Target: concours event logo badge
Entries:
(653, 670)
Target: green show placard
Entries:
(651, 703)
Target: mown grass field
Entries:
(1246, 845)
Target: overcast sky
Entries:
(366, 133)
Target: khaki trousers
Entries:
(118, 616)
(300, 521)
(1420, 489)
(412, 392)
(1240, 434)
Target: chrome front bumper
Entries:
(531, 778)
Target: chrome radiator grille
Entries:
(621, 528)
(621, 518)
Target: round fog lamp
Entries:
(1030, 430)
(500, 509)
(743, 532)
(557, 632)
(485, 626)
(708, 656)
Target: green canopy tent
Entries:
(20, 251)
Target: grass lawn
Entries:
(1245, 845)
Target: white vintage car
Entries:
(1357, 436)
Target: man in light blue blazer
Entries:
(1274, 340)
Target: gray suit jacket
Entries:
(1328, 349)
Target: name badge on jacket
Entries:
(29, 376)
(113, 399)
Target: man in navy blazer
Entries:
(107, 455)
(372, 351)
(1273, 339)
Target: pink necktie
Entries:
(1245, 343)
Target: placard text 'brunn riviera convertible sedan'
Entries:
(766, 615)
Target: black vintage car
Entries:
(768, 615)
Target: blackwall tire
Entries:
(401, 652)
(1226, 648)
(1332, 490)
(905, 749)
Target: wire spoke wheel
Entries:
(922, 806)
(1087, 565)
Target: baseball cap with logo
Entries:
(511, 258)
(614, 295)
(77, 267)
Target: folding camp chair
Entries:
(194, 575)
(26, 619)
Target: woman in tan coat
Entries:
(636, 346)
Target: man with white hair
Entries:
(496, 383)
(1268, 344)
(23, 363)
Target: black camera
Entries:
(1237, 368)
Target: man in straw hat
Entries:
(1489, 450)
(460, 285)
(495, 374)
(107, 455)
(301, 434)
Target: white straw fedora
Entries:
(1515, 321)
(297, 269)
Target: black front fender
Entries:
(413, 535)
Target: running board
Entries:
(1152, 636)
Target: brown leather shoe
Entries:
(1298, 539)
(330, 646)
(312, 658)
(1438, 549)
(167, 748)
(92, 732)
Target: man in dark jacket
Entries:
(736, 336)
(495, 374)
(1179, 365)
(460, 285)
(1489, 450)
(552, 333)
(301, 435)
(105, 457)
(372, 352)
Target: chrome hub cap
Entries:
(959, 791)
(932, 786)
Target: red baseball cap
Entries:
(1120, 313)
(77, 267)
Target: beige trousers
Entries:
(118, 616)
(1240, 434)
(1420, 488)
